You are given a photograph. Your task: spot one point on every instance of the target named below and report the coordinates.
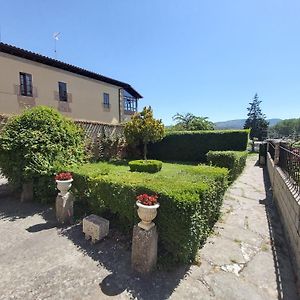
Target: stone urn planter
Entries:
(63, 186)
(147, 213)
(63, 182)
(64, 199)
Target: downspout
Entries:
(120, 106)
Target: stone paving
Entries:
(245, 258)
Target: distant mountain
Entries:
(239, 123)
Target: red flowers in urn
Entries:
(147, 200)
(63, 176)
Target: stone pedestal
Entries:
(262, 160)
(95, 228)
(144, 249)
(27, 192)
(64, 208)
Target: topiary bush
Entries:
(190, 198)
(149, 166)
(234, 161)
(193, 145)
(35, 145)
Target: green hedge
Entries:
(149, 166)
(193, 145)
(234, 161)
(190, 198)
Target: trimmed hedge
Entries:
(148, 166)
(190, 198)
(234, 161)
(193, 145)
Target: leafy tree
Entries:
(143, 128)
(256, 120)
(286, 128)
(183, 121)
(191, 122)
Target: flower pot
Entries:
(147, 213)
(63, 186)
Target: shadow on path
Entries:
(285, 279)
(113, 253)
(12, 209)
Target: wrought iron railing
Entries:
(289, 162)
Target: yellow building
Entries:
(28, 79)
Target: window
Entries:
(25, 84)
(106, 100)
(130, 104)
(62, 88)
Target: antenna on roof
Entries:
(55, 36)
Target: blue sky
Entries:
(204, 57)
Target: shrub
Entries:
(190, 198)
(105, 147)
(234, 161)
(36, 144)
(193, 146)
(149, 166)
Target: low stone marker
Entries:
(95, 228)
(144, 249)
(27, 192)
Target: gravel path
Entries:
(246, 257)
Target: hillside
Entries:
(239, 123)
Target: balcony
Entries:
(130, 105)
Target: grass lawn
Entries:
(172, 178)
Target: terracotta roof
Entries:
(12, 50)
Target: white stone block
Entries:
(95, 228)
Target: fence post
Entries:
(277, 151)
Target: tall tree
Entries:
(143, 128)
(256, 120)
(183, 121)
(191, 122)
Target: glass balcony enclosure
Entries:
(130, 103)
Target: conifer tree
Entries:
(256, 120)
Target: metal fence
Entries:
(289, 162)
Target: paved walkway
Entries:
(245, 258)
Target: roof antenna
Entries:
(55, 36)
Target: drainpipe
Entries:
(120, 91)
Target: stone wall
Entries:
(288, 204)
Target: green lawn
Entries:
(172, 178)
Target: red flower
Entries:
(63, 176)
(146, 199)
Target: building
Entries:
(29, 79)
